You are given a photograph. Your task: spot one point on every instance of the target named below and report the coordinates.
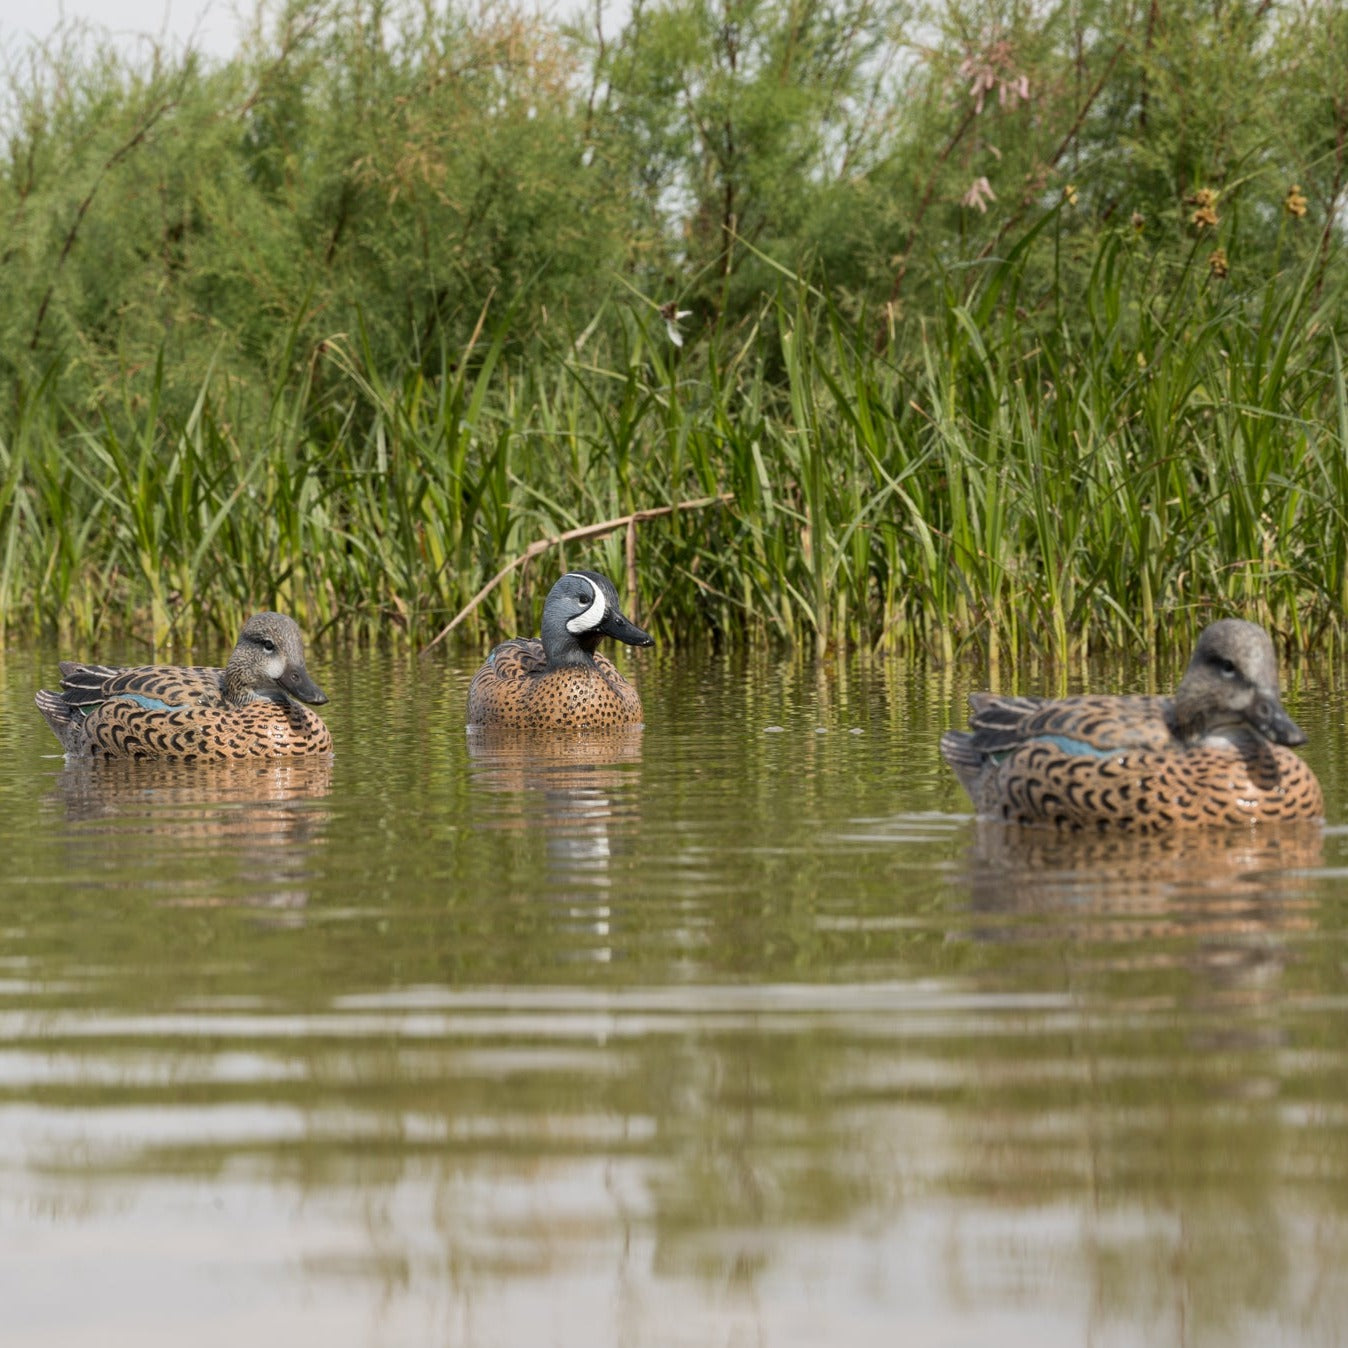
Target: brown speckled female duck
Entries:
(1213, 754)
(186, 713)
(560, 683)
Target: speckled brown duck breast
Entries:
(560, 683)
(1213, 754)
(186, 713)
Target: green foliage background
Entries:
(1017, 323)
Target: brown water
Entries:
(736, 1031)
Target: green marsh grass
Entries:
(1026, 476)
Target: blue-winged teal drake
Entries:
(560, 683)
(185, 713)
(1212, 754)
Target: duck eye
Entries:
(269, 645)
(1227, 667)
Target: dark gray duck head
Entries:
(1232, 681)
(268, 661)
(581, 608)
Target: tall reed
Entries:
(1025, 478)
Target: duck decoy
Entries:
(249, 709)
(560, 682)
(1215, 753)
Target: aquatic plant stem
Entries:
(541, 545)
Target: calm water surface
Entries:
(736, 1031)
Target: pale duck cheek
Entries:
(1226, 737)
(591, 618)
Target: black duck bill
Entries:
(296, 681)
(624, 629)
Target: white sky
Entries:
(211, 25)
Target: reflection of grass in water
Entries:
(775, 1074)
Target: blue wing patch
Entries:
(1080, 747)
(149, 703)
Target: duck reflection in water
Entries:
(576, 792)
(244, 830)
(1218, 904)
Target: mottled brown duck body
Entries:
(560, 682)
(1217, 753)
(250, 709)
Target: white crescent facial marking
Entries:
(593, 616)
